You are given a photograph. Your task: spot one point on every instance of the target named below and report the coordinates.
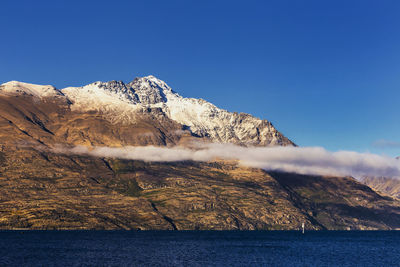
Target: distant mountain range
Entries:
(385, 185)
(45, 188)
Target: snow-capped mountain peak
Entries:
(150, 90)
(119, 88)
(144, 90)
(121, 103)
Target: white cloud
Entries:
(303, 160)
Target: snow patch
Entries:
(15, 87)
(94, 97)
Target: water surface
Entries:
(199, 248)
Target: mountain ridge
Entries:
(120, 102)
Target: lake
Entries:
(199, 248)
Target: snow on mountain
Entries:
(113, 99)
(21, 88)
(121, 102)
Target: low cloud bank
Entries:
(303, 160)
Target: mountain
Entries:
(384, 185)
(44, 190)
(122, 101)
(146, 99)
(42, 187)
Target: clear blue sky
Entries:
(325, 73)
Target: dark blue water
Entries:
(154, 248)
